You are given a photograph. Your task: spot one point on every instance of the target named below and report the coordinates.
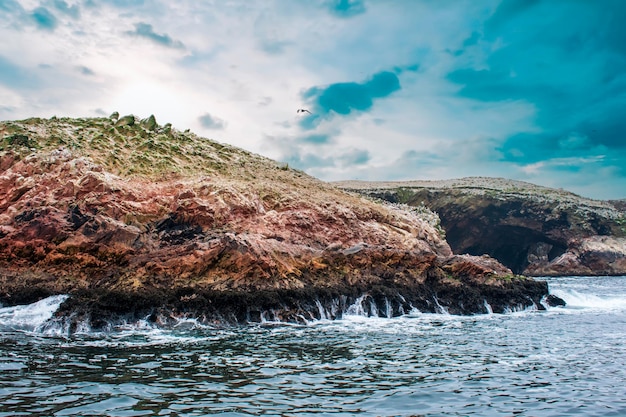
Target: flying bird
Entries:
(303, 111)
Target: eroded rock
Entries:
(531, 229)
(218, 233)
(128, 120)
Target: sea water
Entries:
(561, 362)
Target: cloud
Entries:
(316, 139)
(346, 8)
(406, 68)
(265, 101)
(507, 11)
(355, 157)
(396, 94)
(144, 30)
(63, 7)
(596, 176)
(85, 70)
(309, 160)
(273, 47)
(123, 3)
(44, 19)
(571, 71)
(272, 34)
(574, 141)
(10, 6)
(318, 153)
(345, 98)
(472, 40)
(313, 161)
(15, 76)
(211, 122)
(196, 58)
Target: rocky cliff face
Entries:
(533, 230)
(132, 218)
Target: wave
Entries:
(31, 317)
(579, 300)
(39, 317)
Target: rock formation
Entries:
(150, 124)
(159, 223)
(533, 230)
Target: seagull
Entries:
(303, 111)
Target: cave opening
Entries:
(513, 246)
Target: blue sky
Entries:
(533, 90)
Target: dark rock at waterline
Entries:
(553, 301)
(101, 308)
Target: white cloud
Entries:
(247, 64)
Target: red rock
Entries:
(71, 224)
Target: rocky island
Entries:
(533, 230)
(132, 219)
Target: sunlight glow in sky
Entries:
(533, 90)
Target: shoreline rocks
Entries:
(533, 230)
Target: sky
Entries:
(532, 90)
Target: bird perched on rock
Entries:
(303, 111)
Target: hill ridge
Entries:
(532, 229)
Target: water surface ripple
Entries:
(566, 361)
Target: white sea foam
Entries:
(321, 310)
(31, 317)
(580, 300)
(357, 309)
(580, 295)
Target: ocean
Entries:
(565, 361)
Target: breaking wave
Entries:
(596, 294)
(590, 294)
(31, 317)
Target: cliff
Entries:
(533, 230)
(132, 219)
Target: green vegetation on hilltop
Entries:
(131, 147)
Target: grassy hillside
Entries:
(129, 147)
